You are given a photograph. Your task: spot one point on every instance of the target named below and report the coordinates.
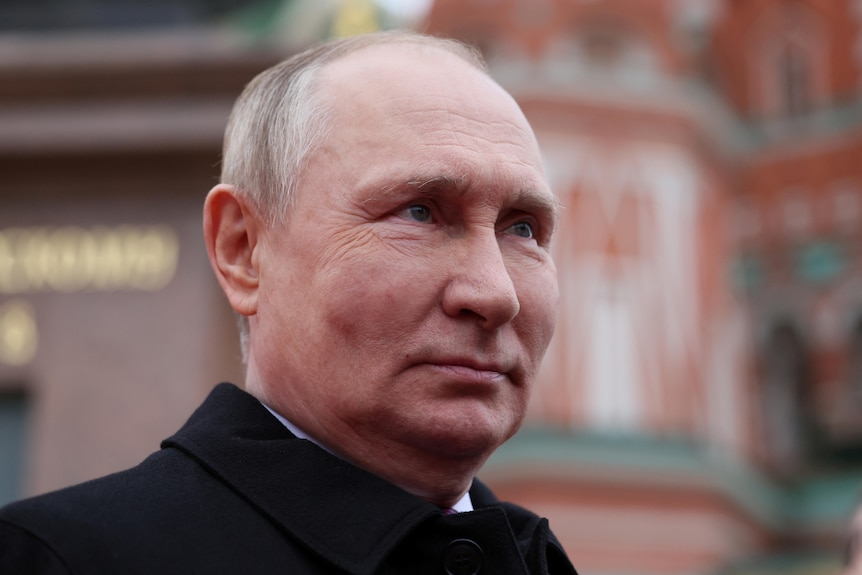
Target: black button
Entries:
(463, 557)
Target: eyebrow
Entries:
(546, 203)
(448, 182)
(525, 199)
(441, 183)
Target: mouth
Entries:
(470, 372)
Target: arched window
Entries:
(795, 77)
(604, 49)
(843, 421)
(796, 213)
(785, 399)
(604, 46)
(613, 48)
(788, 55)
(745, 224)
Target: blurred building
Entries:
(112, 327)
(700, 409)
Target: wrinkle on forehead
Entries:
(453, 122)
(429, 87)
(445, 125)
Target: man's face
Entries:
(408, 300)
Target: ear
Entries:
(231, 230)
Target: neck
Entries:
(438, 477)
(440, 481)
(441, 484)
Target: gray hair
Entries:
(280, 119)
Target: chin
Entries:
(467, 439)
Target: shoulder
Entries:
(72, 526)
(170, 514)
(92, 501)
(24, 552)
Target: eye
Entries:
(417, 212)
(521, 229)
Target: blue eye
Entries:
(418, 212)
(522, 229)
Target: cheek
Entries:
(539, 297)
(367, 301)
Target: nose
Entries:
(480, 284)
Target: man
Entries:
(383, 228)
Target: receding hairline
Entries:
(339, 49)
(309, 67)
(347, 48)
(379, 58)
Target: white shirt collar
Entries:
(462, 506)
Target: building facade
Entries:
(699, 409)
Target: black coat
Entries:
(235, 492)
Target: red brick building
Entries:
(700, 408)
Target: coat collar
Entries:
(306, 491)
(345, 515)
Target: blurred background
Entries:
(700, 409)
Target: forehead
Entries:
(427, 108)
(401, 84)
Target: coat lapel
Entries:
(345, 515)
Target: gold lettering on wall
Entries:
(18, 336)
(72, 258)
